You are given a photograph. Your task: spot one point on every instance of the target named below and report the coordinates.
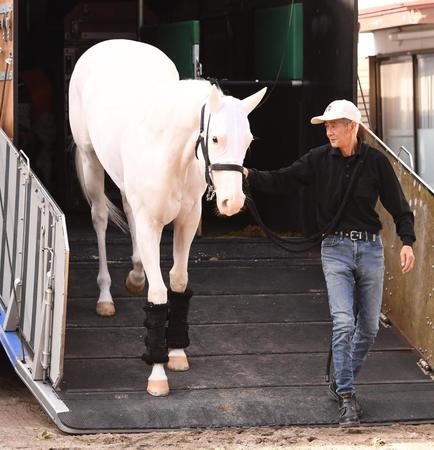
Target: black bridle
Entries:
(298, 245)
(202, 140)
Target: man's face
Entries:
(339, 132)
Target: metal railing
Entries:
(34, 258)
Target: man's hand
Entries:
(407, 258)
(245, 172)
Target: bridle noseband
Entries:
(203, 142)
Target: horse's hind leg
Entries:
(179, 296)
(93, 185)
(135, 281)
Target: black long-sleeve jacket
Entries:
(329, 172)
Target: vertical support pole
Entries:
(48, 303)
(140, 18)
(197, 66)
(42, 355)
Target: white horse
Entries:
(131, 116)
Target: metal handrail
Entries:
(408, 153)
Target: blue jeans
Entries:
(354, 273)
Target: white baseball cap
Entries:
(339, 109)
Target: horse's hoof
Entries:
(105, 309)
(134, 289)
(158, 388)
(178, 363)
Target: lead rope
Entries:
(329, 363)
(314, 239)
(274, 237)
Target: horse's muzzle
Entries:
(231, 205)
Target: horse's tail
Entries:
(115, 214)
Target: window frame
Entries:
(375, 63)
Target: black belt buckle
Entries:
(355, 235)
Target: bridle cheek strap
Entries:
(230, 167)
(203, 142)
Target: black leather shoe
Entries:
(335, 396)
(348, 416)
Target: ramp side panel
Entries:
(32, 279)
(61, 270)
(38, 247)
(15, 229)
(10, 342)
(4, 169)
(46, 233)
(11, 224)
(409, 299)
(7, 198)
(12, 188)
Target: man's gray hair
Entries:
(348, 121)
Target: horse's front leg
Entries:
(179, 295)
(135, 281)
(148, 235)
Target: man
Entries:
(352, 251)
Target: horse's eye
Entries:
(214, 139)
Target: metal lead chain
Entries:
(210, 194)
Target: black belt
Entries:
(354, 235)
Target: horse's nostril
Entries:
(225, 203)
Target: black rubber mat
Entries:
(211, 309)
(260, 333)
(214, 279)
(203, 249)
(227, 339)
(243, 407)
(240, 371)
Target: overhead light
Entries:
(404, 35)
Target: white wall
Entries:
(384, 45)
(363, 73)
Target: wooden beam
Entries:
(409, 13)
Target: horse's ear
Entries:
(214, 100)
(250, 103)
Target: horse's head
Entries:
(229, 138)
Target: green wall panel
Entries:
(273, 41)
(176, 40)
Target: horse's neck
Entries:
(188, 100)
(190, 97)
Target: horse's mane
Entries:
(196, 89)
(185, 99)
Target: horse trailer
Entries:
(259, 324)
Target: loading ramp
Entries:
(259, 325)
(260, 333)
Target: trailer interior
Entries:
(297, 51)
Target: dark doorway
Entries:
(53, 34)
